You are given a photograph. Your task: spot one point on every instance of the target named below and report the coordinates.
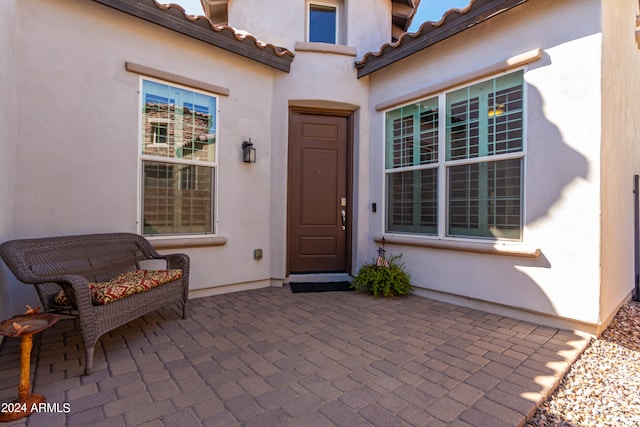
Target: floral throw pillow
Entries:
(124, 285)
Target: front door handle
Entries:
(343, 214)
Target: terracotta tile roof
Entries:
(173, 16)
(240, 35)
(453, 22)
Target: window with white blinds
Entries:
(481, 132)
(178, 159)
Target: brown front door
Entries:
(318, 222)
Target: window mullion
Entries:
(506, 156)
(178, 161)
(442, 170)
(483, 152)
(483, 125)
(483, 196)
(417, 199)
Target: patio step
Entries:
(319, 277)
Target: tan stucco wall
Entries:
(8, 127)
(562, 190)
(620, 148)
(78, 127)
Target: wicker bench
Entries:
(71, 263)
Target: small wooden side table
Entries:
(25, 326)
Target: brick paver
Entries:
(269, 357)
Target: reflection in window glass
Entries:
(181, 120)
(178, 125)
(176, 198)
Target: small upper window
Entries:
(323, 23)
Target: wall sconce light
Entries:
(248, 152)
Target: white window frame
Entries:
(416, 154)
(168, 160)
(335, 6)
(443, 164)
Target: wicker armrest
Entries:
(180, 261)
(77, 290)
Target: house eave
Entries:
(402, 14)
(430, 33)
(216, 10)
(202, 29)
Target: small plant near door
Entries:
(383, 277)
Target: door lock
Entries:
(343, 214)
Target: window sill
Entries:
(517, 250)
(326, 48)
(186, 242)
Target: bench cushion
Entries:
(124, 285)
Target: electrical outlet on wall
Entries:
(257, 254)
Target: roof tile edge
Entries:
(423, 27)
(239, 35)
(450, 18)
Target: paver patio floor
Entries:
(269, 357)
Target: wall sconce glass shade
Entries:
(248, 152)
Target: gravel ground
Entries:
(602, 388)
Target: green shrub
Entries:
(381, 280)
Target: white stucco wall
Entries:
(8, 126)
(280, 22)
(364, 25)
(369, 24)
(562, 188)
(620, 148)
(78, 127)
(322, 80)
(317, 80)
(73, 139)
(76, 92)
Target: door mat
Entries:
(298, 287)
